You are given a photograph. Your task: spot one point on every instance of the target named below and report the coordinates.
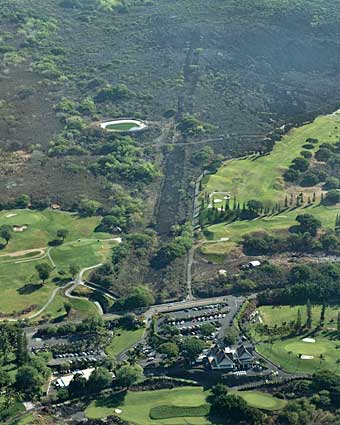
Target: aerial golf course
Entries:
(35, 241)
(261, 178)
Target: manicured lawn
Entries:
(42, 227)
(285, 351)
(262, 400)
(136, 406)
(261, 178)
(122, 340)
(19, 284)
(84, 253)
(285, 313)
(167, 411)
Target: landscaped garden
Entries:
(137, 407)
(77, 244)
(261, 178)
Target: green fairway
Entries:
(286, 351)
(285, 314)
(262, 400)
(42, 227)
(22, 292)
(122, 340)
(136, 406)
(261, 178)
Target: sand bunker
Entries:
(10, 215)
(217, 200)
(310, 340)
(118, 411)
(19, 228)
(303, 357)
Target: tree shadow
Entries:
(55, 242)
(29, 288)
(112, 400)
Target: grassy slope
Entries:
(18, 282)
(137, 405)
(262, 179)
(261, 400)
(285, 351)
(123, 340)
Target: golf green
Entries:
(262, 400)
(136, 406)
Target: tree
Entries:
(338, 322)
(5, 379)
(323, 313)
(100, 379)
(5, 233)
(309, 314)
(78, 386)
(128, 375)
(235, 409)
(62, 234)
(44, 270)
(169, 349)
(332, 197)
(21, 345)
(207, 329)
(255, 205)
(28, 381)
(74, 270)
(23, 201)
(192, 347)
(230, 336)
(140, 297)
(308, 223)
(300, 164)
(298, 322)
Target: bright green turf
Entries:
(137, 405)
(169, 411)
(42, 228)
(262, 179)
(286, 354)
(278, 315)
(122, 341)
(122, 126)
(261, 400)
(285, 351)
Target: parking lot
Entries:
(189, 321)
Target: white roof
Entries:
(255, 263)
(64, 381)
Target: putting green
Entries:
(136, 406)
(287, 350)
(261, 178)
(262, 400)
